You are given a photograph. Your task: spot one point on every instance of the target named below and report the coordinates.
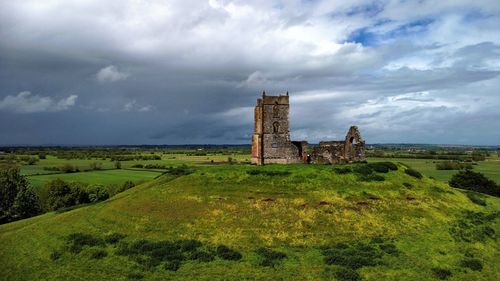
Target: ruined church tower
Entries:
(271, 137)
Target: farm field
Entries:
(103, 177)
(490, 167)
(168, 159)
(314, 221)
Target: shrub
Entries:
(98, 254)
(413, 173)
(114, 237)
(473, 227)
(51, 168)
(359, 254)
(371, 177)
(75, 242)
(476, 199)
(202, 256)
(473, 264)
(363, 169)
(173, 265)
(137, 166)
(146, 262)
(473, 181)
(407, 185)
(346, 274)
(379, 167)
(122, 249)
(390, 165)
(55, 255)
(270, 257)
(226, 253)
(441, 273)
(342, 170)
(188, 245)
(135, 276)
(180, 170)
(268, 173)
(118, 164)
(452, 165)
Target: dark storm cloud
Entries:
(128, 72)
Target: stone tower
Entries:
(271, 137)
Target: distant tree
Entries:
(127, 185)
(118, 164)
(42, 155)
(26, 204)
(68, 168)
(17, 201)
(478, 155)
(59, 195)
(95, 166)
(31, 161)
(98, 193)
(11, 181)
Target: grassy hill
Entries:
(294, 222)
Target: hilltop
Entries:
(239, 222)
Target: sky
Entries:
(189, 72)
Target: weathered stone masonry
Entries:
(271, 138)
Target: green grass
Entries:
(167, 160)
(294, 210)
(490, 167)
(105, 177)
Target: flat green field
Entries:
(490, 167)
(325, 225)
(105, 177)
(168, 160)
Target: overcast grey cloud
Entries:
(164, 72)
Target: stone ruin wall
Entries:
(352, 149)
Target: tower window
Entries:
(276, 127)
(274, 145)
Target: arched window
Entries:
(276, 127)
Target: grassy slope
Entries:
(295, 214)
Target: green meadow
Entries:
(490, 167)
(103, 177)
(289, 222)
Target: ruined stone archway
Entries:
(354, 145)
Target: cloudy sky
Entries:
(182, 71)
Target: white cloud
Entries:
(134, 106)
(111, 74)
(25, 102)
